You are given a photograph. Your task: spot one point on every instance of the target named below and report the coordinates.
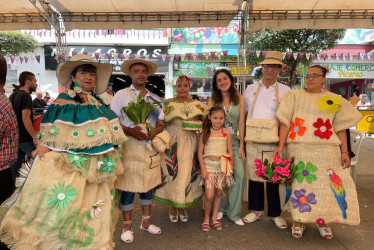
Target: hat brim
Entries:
(271, 61)
(103, 73)
(152, 67)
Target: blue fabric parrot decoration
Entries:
(288, 191)
(339, 191)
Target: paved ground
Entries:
(261, 234)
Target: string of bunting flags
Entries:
(204, 56)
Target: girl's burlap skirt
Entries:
(142, 171)
(257, 150)
(322, 189)
(59, 208)
(180, 169)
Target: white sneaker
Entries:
(219, 215)
(239, 222)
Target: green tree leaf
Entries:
(13, 43)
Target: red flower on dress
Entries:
(296, 128)
(323, 128)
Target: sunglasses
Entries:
(314, 76)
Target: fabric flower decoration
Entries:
(285, 171)
(296, 128)
(109, 164)
(53, 131)
(168, 109)
(101, 131)
(303, 202)
(77, 160)
(323, 128)
(38, 136)
(305, 172)
(90, 132)
(61, 196)
(116, 128)
(320, 221)
(75, 134)
(275, 178)
(95, 210)
(200, 107)
(332, 105)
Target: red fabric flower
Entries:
(323, 128)
(296, 128)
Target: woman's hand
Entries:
(137, 133)
(278, 151)
(346, 162)
(41, 150)
(242, 154)
(204, 173)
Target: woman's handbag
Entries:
(262, 130)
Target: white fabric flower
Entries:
(95, 210)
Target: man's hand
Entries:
(40, 151)
(137, 133)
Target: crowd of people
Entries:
(93, 154)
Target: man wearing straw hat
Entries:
(142, 170)
(262, 99)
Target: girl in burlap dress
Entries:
(68, 200)
(180, 169)
(313, 121)
(216, 160)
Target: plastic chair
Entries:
(356, 139)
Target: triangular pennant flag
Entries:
(37, 57)
(362, 55)
(26, 59)
(219, 54)
(250, 53)
(115, 56)
(121, 56)
(295, 55)
(73, 53)
(132, 56)
(171, 57)
(109, 56)
(206, 55)
(127, 56)
(225, 53)
(159, 58)
(313, 56)
(301, 55)
(12, 59)
(319, 56)
(289, 55)
(21, 59)
(284, 54)
(97, 55)
(213, 54)
(329, 57)
(163, 57)
(183, 57)
(168, 58)
(307, 56)
(102, 56)
(188, 56)
(263, 54)
(201, 56)
(146, 57)
(32, 59)
(177, 57)
(258, 52)
(194, 56)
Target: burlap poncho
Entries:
(69, 199)
(321, 188)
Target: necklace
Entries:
(178, 99)
(215, 128)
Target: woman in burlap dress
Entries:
(226, 95)
(180, 168)
(313, 122)
(68, 200)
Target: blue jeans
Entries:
(127, 200)
(23, 149)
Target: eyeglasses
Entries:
(314, 76)
(273, 66)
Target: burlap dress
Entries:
(180, 166)
(68, 200)
(321, 188)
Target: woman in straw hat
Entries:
(181, 172)
(313, 122)
(68, 199)
(226, 95)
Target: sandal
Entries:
(252, 217)
(127, 236)
(297, 231)
(217, 226)
(152, 228)
(280, 222)
(173, 217)
(205, 227)
(183, 217)
(325, 232)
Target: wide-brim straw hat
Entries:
(103, 71)
(152, 67)
(273, 57)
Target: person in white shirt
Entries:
(141, 162)
(265, 97)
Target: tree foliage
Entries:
(301, 40)
(13, 43)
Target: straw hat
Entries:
(273, 57)
(152, 67)
(103, 71)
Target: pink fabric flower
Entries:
(277, 159)
(283, 171)
(258, 162)
(320, 221)
(275, 178)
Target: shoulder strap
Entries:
(132, 95)
(258, 90)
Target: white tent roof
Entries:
(145, 14)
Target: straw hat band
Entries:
(274, 58)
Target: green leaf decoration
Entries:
(310, 167)
(61, 196)
(310, 178)
(299, 177)
(78, 160)
(300, 166)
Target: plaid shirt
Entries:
(8, 132)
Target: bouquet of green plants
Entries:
(138, 112)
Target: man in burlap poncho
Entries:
(262, 99)
(142, 169)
